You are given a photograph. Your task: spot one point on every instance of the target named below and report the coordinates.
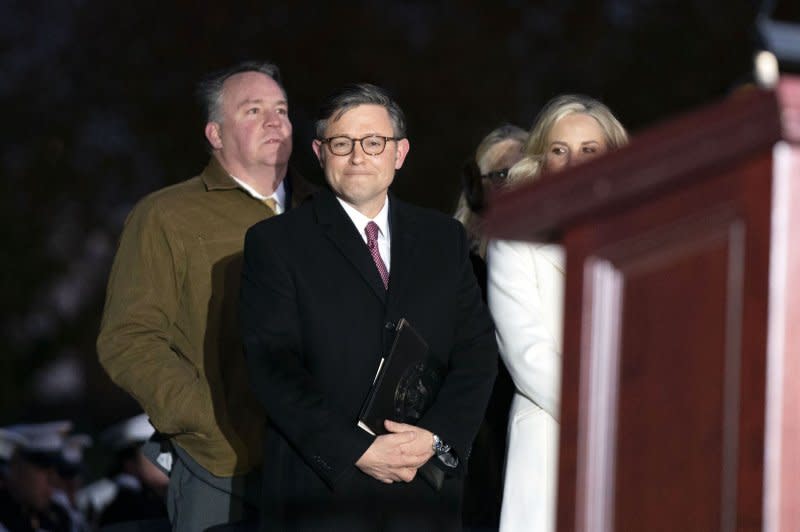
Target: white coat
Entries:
(526, 299)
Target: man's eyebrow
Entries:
(250, 101)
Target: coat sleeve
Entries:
(461, 403)
(527, 346)
(328, 442)
(134, 345)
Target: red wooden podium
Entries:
(681, 378)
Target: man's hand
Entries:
(385, 460)
(420, 449)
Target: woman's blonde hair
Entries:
(529, 167)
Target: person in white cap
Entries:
(68, 479)
(25, 499)
(137, 488)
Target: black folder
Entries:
(404, 387)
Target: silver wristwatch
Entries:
(440, 447)
(444, 452)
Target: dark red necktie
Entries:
(372, 243)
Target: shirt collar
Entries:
(216, 177)
(279, 195)
(361, 221)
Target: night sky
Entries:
(98, 104)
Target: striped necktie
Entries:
(372, 243)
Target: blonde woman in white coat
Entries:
(526, 291)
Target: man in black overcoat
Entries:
(322, 289)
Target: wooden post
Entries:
(681, 378)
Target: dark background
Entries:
(98, 110)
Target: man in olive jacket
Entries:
(169, 334)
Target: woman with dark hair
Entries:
(483, 488)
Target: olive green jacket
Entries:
(169, 334)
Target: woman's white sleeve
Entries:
(527, 346)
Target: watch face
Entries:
(439, 446)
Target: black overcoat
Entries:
(316, 320)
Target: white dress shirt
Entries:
(382, 220)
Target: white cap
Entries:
(129, 432)
(41, 437)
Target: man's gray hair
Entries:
(360, 94)
(209, 90)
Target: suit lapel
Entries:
(404, 249)
(339, 229)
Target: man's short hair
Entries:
(209, 90)
(352, 96)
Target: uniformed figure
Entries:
(25, 499)
(69, 478)
(136, 488)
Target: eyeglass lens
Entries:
(372, 145)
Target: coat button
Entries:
(390, 325)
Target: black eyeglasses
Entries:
(497, 176)
(371, 144)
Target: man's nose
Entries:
(358, 154)
(271, 118)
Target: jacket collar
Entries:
(215, 177)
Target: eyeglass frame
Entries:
(496, 176)
(360, 141)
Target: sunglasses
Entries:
(497, 176)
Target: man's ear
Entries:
(213, 135)
(400, 155)
(316, 145)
